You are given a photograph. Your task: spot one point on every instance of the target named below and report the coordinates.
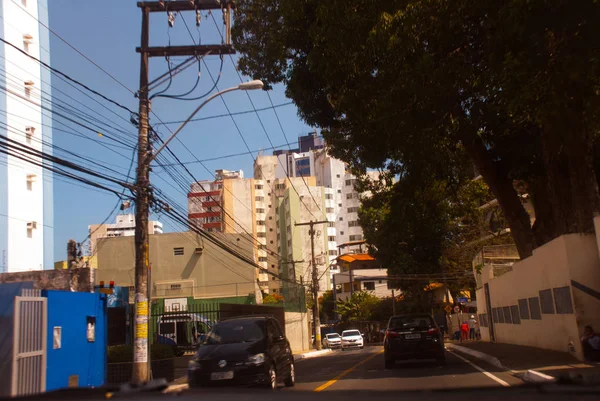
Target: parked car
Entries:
(413, 336)
(352, 338)
(244, 350)
(332, 340)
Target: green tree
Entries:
(412, 84)
(359, 307)
(326, 306)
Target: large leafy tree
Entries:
(359, 307)
(401, 84)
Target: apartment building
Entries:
(26, 204)
(233, 204)
(124, 226)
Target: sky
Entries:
(107, 32)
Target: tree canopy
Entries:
(414, 86)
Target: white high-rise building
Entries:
(26, 206)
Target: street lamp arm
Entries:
(187, 120)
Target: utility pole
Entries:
(315, 280)
(141, 372)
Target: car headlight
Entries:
(193, 365)
(257, 359)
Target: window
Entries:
(270, 242)
(270, 229)
(333, 252)
(341, 233)
(260, 210)
(29, 131)
(348, 182)
(506, 313)
(353, 223)
(523, 309)
(514, 312)
(337, 176)
(272, 266)
(329, 210)
(328, 196)
(175, 286)
(270, 217)
(30, 180)
(500, 315)
(178, 251)
(353, 209)
(331, 238)
(261, 235)
(534, 308)
(260, 222)
(562, 299)
(28, 86)
(258, 186)
(369, 285)
(356, 237)
(331, 224)
(339, 191)
(546, 302)
(262, 246)
(279, 186)
(341, 219)
(259, 198)
(262, 258)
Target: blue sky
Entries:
(108, 32)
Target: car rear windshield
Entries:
(351, 333)
(235, 332)
(404, 322)
(333, 335)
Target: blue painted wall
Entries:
(77, 356)
(8, 292)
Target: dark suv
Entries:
(413, 337)
(245, 350)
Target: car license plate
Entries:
(412, 336)
(221, 375)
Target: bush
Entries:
(124, 353)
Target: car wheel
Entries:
(272, 378)
(291, 379)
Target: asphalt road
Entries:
(364, 370)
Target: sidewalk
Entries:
(530, 363)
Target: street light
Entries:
(246, 86)
(141, 370)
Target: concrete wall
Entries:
(569, 262)
(213, 273)
(66, 280)
(296, 331)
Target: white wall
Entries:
(25, 250)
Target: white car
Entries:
(332, 340)
(352, 338)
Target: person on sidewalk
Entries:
(464, 328)
(591, 344)
(472, 324)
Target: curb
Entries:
(492, 360)
(311, 354)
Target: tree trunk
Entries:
(501, 186)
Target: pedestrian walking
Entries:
(464, 328)
(472, 327)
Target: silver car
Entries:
(332, 340)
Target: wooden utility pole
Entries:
(315, 281)
(141, 372)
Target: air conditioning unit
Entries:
(198, 251)
(31, 177)
(29, 83)
(32, 225)
(30, 130)
(27, 38)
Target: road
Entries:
(364, 370)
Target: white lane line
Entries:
(488, 374)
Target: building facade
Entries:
(26, 205)
(124, 226)
(233, 204)
(183, 265)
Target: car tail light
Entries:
(433, 330)
(391, 333)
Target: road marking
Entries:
(488, 374)
(344, 373)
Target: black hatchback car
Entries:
(413, 336)
(245, 351)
